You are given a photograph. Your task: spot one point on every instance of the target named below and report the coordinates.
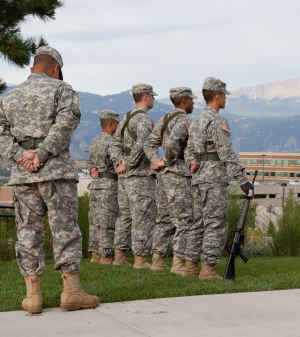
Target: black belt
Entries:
(108, 175)
(31, 144)
(209, 156)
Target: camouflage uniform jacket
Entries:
(210, 133)
(40, 109)
(100, 159)
(136, 163)
(173, 141)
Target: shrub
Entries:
(8, 238)
(286, 239)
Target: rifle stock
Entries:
(238, 240)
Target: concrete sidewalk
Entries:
(263, 314)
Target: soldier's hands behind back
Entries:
(121, 169)
(94, 173)
(194, 166)
(158, 165)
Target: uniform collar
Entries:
(210, 109)
(32, 75)
(179, 110)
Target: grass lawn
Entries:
(113, 284)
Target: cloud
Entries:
(108, 46)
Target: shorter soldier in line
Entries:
(173, 192)
(136, 184)
(103, 198)
(210, 157)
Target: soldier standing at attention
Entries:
(37, 120)
(173, 193)
(136, 184)
(103, 197)
(210, 157)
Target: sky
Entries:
(108, 46)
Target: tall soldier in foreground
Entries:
(173, 193)
(210, 157)
(37, 120)
(103, 199)
(136, 184)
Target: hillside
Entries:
(257, 125)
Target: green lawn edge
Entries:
(122, 283)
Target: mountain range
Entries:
(262, 118)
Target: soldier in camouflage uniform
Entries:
(37, 120)
(173, 196)
(103, 197)
(136, 184)
(210, 157)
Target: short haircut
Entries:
(209, 95)
(45, 59)
(138, 97)
(105, 122)
(177, 100)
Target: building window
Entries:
(272, 162)
(272, 196)
(292, 174)
(278, 174)
(248, 173)
(267, 162)
(260, 162)
(253, 161)
(266, 174)
(272, 174)
(286, 163)
(285, 174)
(292, 162)
(298, 162)
(298, 175)
(279, 162)
(260, 173)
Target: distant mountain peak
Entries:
(280, 90)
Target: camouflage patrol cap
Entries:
(46, 50)
(143, 88)
(109, 114)
(181, 92)
(215, 84)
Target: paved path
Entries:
(263, 314)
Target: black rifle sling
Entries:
(130, 115)
(167, 120)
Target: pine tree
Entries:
(13, 47)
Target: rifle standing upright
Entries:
(238, 239)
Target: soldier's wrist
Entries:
(43, 155)
(19, 154)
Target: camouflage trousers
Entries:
(104, 210)
(137, 214)
(174, 213)
(209, 231)
(32, 201)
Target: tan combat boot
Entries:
(209, 273)
(140, 262)
(158, 263)
(105, 260)
(33, 301)
(73, 297)
(120, 258)
(178, 266)
(191, 269)
(95, 257)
